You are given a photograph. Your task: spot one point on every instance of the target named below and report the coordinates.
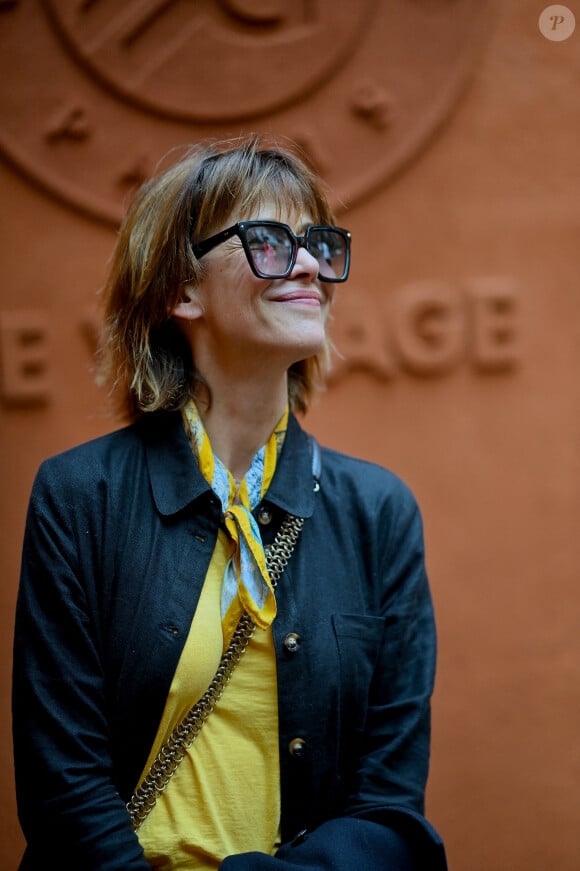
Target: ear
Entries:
(189, 306)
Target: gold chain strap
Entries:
(184, 734)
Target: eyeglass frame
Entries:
(240, 228)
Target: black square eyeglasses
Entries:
(271, 248)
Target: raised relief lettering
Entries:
(429, 327)
(495, 338)
(425, 329)
(359, 338)
(24, 357)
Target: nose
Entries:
(306, 265)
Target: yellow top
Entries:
(224, 797)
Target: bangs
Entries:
(288, 194)
(244, 180)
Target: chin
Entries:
(306, 350)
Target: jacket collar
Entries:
(292, 487)
(176, 480)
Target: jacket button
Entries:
(292, 642)
(297, 747)
(264, 516)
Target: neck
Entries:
(241, 419)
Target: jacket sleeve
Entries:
(69, 809)
(344, 843)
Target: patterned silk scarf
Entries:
(246, 584)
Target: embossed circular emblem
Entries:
(225, 58)
(94, 92)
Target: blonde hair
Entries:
(143, 356)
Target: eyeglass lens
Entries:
(329, 248)
(272, 249)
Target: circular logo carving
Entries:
(214, 61)
(94, 92)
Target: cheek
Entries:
(329, 302)
(234, 296)
(234, 274)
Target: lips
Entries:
(299, 295)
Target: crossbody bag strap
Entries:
(184, 734)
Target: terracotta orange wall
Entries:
(449, 132)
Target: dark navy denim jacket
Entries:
(118, 539)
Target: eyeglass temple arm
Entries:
(206, 245)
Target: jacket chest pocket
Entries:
(359, 638)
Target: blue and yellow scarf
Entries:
(246, 584)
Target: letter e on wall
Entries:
(24, 372)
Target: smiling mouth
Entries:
(301, 296)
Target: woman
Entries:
(145, 548)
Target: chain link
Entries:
(184, 734)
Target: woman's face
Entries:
(237, 319)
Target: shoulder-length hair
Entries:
(143, 356)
